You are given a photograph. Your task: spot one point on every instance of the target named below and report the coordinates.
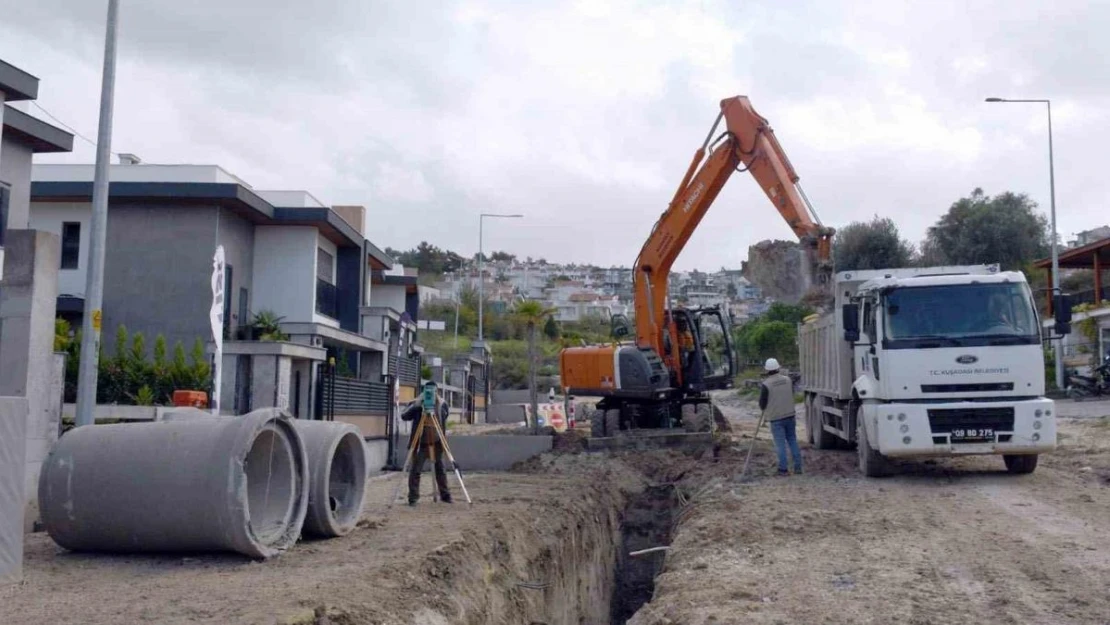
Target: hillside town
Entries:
(577, 292)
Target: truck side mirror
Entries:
(1061, 308)
(851, 322)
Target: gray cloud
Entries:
(584, 115)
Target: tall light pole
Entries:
(481, 281)
(94, 283)
(1055, 247)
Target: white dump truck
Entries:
(932, 361)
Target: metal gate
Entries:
(341, 395)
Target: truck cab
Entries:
(935, 362)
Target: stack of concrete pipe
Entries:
(196, 482)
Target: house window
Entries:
(244, 309)
(71, 244)
(324, 265)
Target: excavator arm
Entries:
(748, 142)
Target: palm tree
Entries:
(533, 314)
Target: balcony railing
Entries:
(327, 299)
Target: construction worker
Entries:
(691, 366)
(776, 400)
(429, 443)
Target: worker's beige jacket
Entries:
(780, 397)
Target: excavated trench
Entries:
(564, 559)
(646, 524)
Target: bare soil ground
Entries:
(951, 541)
(526, 550)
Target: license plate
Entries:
(972, 434)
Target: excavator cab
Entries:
(704, 352)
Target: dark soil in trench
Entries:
(646, 524)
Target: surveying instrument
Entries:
(428, 417)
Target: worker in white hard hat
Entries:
(776, 400)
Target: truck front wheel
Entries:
(871, 462)
(1020, 464)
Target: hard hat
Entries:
(771, 365)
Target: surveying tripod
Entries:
(428, 415)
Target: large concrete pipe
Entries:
(189, 484)
(337, 476)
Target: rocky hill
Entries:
(778, 268)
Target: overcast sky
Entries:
(584, 115)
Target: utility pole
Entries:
(1059, 345)
(94, 284)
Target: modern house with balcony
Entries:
(286, 254)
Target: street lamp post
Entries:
(481, 281)
(1059, 351)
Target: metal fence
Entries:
(351, 395)
(407, 369)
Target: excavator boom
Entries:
(748, 142)
(662, 381)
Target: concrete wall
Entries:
(389, 296)
(42, 433)
(27, 312)
(506, 413)
(285, 271)
(15, 169)
(377, 454)
(270, 382)
(514, 396)
(158, 272)
(496, 453)
(13, 424)
(49, 216)
(487, 453)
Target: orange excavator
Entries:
(663, 379)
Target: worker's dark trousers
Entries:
(419, 456)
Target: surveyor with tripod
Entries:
(429, 444)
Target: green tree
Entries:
(551, 329)
(871, 245)
(1005, 229)
(532, 314)
(787, 313)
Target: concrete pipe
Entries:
(337, 476)
(185, 484)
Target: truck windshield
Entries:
(960, 315)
